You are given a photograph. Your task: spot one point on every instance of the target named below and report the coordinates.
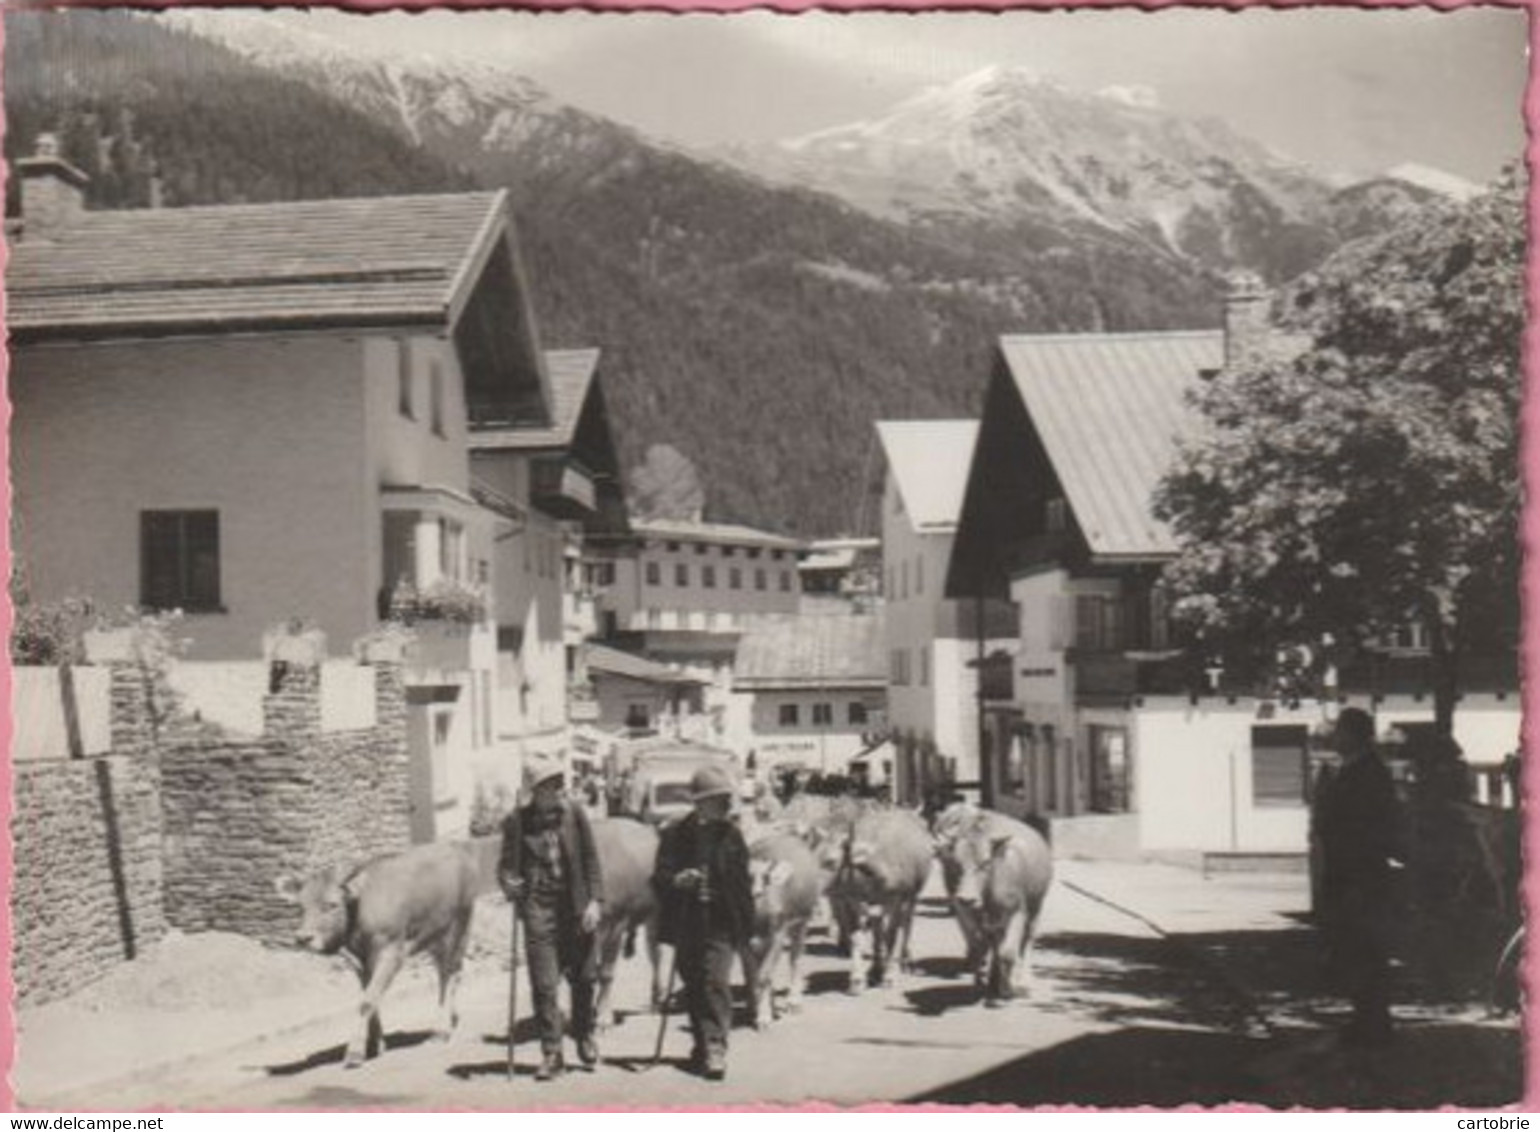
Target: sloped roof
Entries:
(605, 659)
(572, 375)
(687, 531)
(810, 650)
(1109, 408)
(376, 261)
(930, 461)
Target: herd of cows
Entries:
(861, 864)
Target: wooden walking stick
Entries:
(668, 994)
(513, 985)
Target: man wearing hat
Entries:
(549, 869)
(1357, 824)
(707, 910)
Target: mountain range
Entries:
(757, 307)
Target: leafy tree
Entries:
(666, 486)
(1371, 478)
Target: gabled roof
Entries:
(376, 261)
(811, 650)
(572, 376)
(930, 461)
(602, 658)
(1109, 408)
(685, 530)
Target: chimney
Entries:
(1247, 317)
(52, 190)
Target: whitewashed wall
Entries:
(37, 712)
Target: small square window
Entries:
(789, 716)
(729, 551)
(404, 379)
(673, 546)
(753, 552)
(701, 548)
(857, 713)
(823, 715)
(436, 398)
(777, 555)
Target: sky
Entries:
(1346, 90)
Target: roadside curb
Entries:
(87, 1096)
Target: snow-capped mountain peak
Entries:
(1434, 180)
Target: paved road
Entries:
(885, 1044)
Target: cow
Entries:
(628, 850)
(787, 885)
(997, 872)
(383, 911)
(876, 874)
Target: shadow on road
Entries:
(1428, 1066)
(333, 1055)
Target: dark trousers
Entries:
(706, 969)
(1359, 934)
(554, 947)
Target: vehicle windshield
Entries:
(671, 794)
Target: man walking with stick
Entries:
(707, 911)
(549, 869)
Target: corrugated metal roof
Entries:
(605, 659)
(373, 261)
(930, 461)
(686, 531)
(572, 374)
(811, 650)
(1109, 408)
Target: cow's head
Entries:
(971, 861)
(768, 881)
(326, 908)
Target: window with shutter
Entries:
(1280, 761)
(179, 560)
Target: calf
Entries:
(878, 872)
(628, 850)
(383, 911)
(997, 871)
(787, 884)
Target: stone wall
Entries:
(237, 816)
(183, 826)
(87, 870)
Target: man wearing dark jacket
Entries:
(1358, 827)
(549, 868)
(707, 911)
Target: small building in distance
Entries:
(808, 691)
(680, 591)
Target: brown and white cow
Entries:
(628, 851)
(997, 871)
(787, 884)
(877, 873)
(384, 911)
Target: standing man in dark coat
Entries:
(707, 903)
(549, 869)
(1357, 824)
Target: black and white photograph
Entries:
(639, 560)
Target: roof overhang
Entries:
(436, 498)
(807, 684)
